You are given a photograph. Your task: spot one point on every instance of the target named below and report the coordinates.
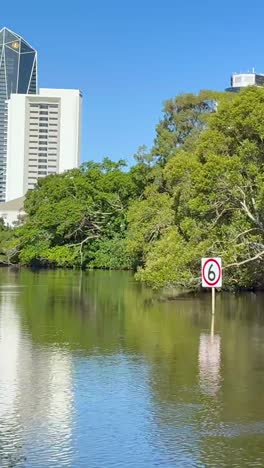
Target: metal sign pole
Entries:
(211, 269)
(212, 327)
(213, 301)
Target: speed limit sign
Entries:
(211, 272)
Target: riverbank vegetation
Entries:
(198, 192)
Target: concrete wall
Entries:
(70, 126)
(15, 147)
(244, 79)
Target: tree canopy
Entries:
(198, 192)
(216, 201)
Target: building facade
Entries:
(44, 137)
(242, 80)
(18, 74)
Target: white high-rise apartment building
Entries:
(44, 137)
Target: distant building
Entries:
(242, 80)
(18, 74)
(44, 137)
(12, 211)
(40, 132)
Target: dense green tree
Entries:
(217, 192)
(184, 118)
(7, 243)
(71, 213)
(198, 192)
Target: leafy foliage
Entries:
(69, 216)
(198, 192)
(217, 193)
(185, 117)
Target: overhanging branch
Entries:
(248, 260)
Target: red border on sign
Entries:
(219, 268)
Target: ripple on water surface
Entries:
(95, 374)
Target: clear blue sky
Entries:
(129, 56)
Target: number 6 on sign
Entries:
(211, 272)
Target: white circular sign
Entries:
(211, 272)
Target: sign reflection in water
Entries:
(210, 361)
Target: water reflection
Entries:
(36, 391)
(9, 353)
(210, 361)
(95, 372)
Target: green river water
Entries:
(95, 372)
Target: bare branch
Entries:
(246, 232)
(80, 245)
(249, 214)
(83, 241)
(237, 264)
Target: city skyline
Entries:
(129, 58)
(40, 129)
(164, 51)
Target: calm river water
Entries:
(94, 373)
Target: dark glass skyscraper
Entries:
(18, 74)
